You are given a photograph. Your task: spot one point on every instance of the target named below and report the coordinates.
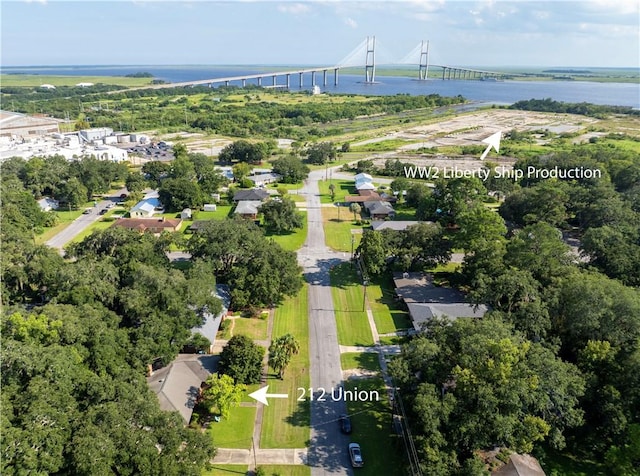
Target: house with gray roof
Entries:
(426, 301)
(211, 323)
(248, 208)
(398, 225)
(260, 180)
(178, 384)
(379, 210)
(254, 194)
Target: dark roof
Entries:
(253, 194)
(422, 312)
(520, 465)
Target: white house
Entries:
(146, 208)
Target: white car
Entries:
(356, 455)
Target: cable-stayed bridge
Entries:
(364, 55)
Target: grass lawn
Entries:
(101, 224)
(294, 240)
(347, 292)
(360, 360)
(382, 450)
(235, 431)
(342, 189)
(222, 212)
(286, 470)
(286, 422)
(227, 470)
(252, 327)
(338, 223)
(386, 311)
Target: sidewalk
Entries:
(262, 456)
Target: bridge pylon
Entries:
(370, 60)
(423, 70)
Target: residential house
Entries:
(47, 204)
(178, 384)
(520, 465)
(363, 176)
(254, 194)
(399, 225)
(379, 210)
(146, 208)
(211, 323)
(365, 186)
(260, 180)
(425, 301)
(149, 225)
(248, 209)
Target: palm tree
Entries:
(280, 352)
(356, 209)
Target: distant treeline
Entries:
(568, 71)
(583, 108)
(140, 74)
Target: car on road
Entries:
(345, 424)
(103, 211)
(356, 455)
(86, 211)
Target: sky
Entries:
(588, 33)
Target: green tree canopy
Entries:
(241, 359)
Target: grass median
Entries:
(286, 422)
(351, 319)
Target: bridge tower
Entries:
(370, 61)
(423, 70)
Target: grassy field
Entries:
(351, 319)
(253, 327)
(235, 431)
(286, 421)
(227, 470)
(386, 311)
(286, 470)
(34, 80)
(338, 225)
(64, 220)
(294, 240)
(360, 360)
(381, 448)
(342, 189)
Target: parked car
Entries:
(356, 455)
(345, 424)
(103, 211)
(86, 211)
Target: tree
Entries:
(242, 151)
(321, 153)
(281, 351)
(399, 186)
(281, 216)
(179, 193)
(292, 169)
(332, 191)
(473, 384)
(156, 171)
(72, 192)
(478, 222)
(423, 245)
(222, 393)
(241, 359)
(355, 209)
(135, 182)
(374, 252)
(240, 171)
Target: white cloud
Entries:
(295, 8)
(351, 22)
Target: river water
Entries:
(500, 92)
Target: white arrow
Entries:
(261, 395)
(494, 141)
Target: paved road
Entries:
(328, 448)
(81, 223)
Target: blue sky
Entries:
(484, 32)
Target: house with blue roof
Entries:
(146, 208)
